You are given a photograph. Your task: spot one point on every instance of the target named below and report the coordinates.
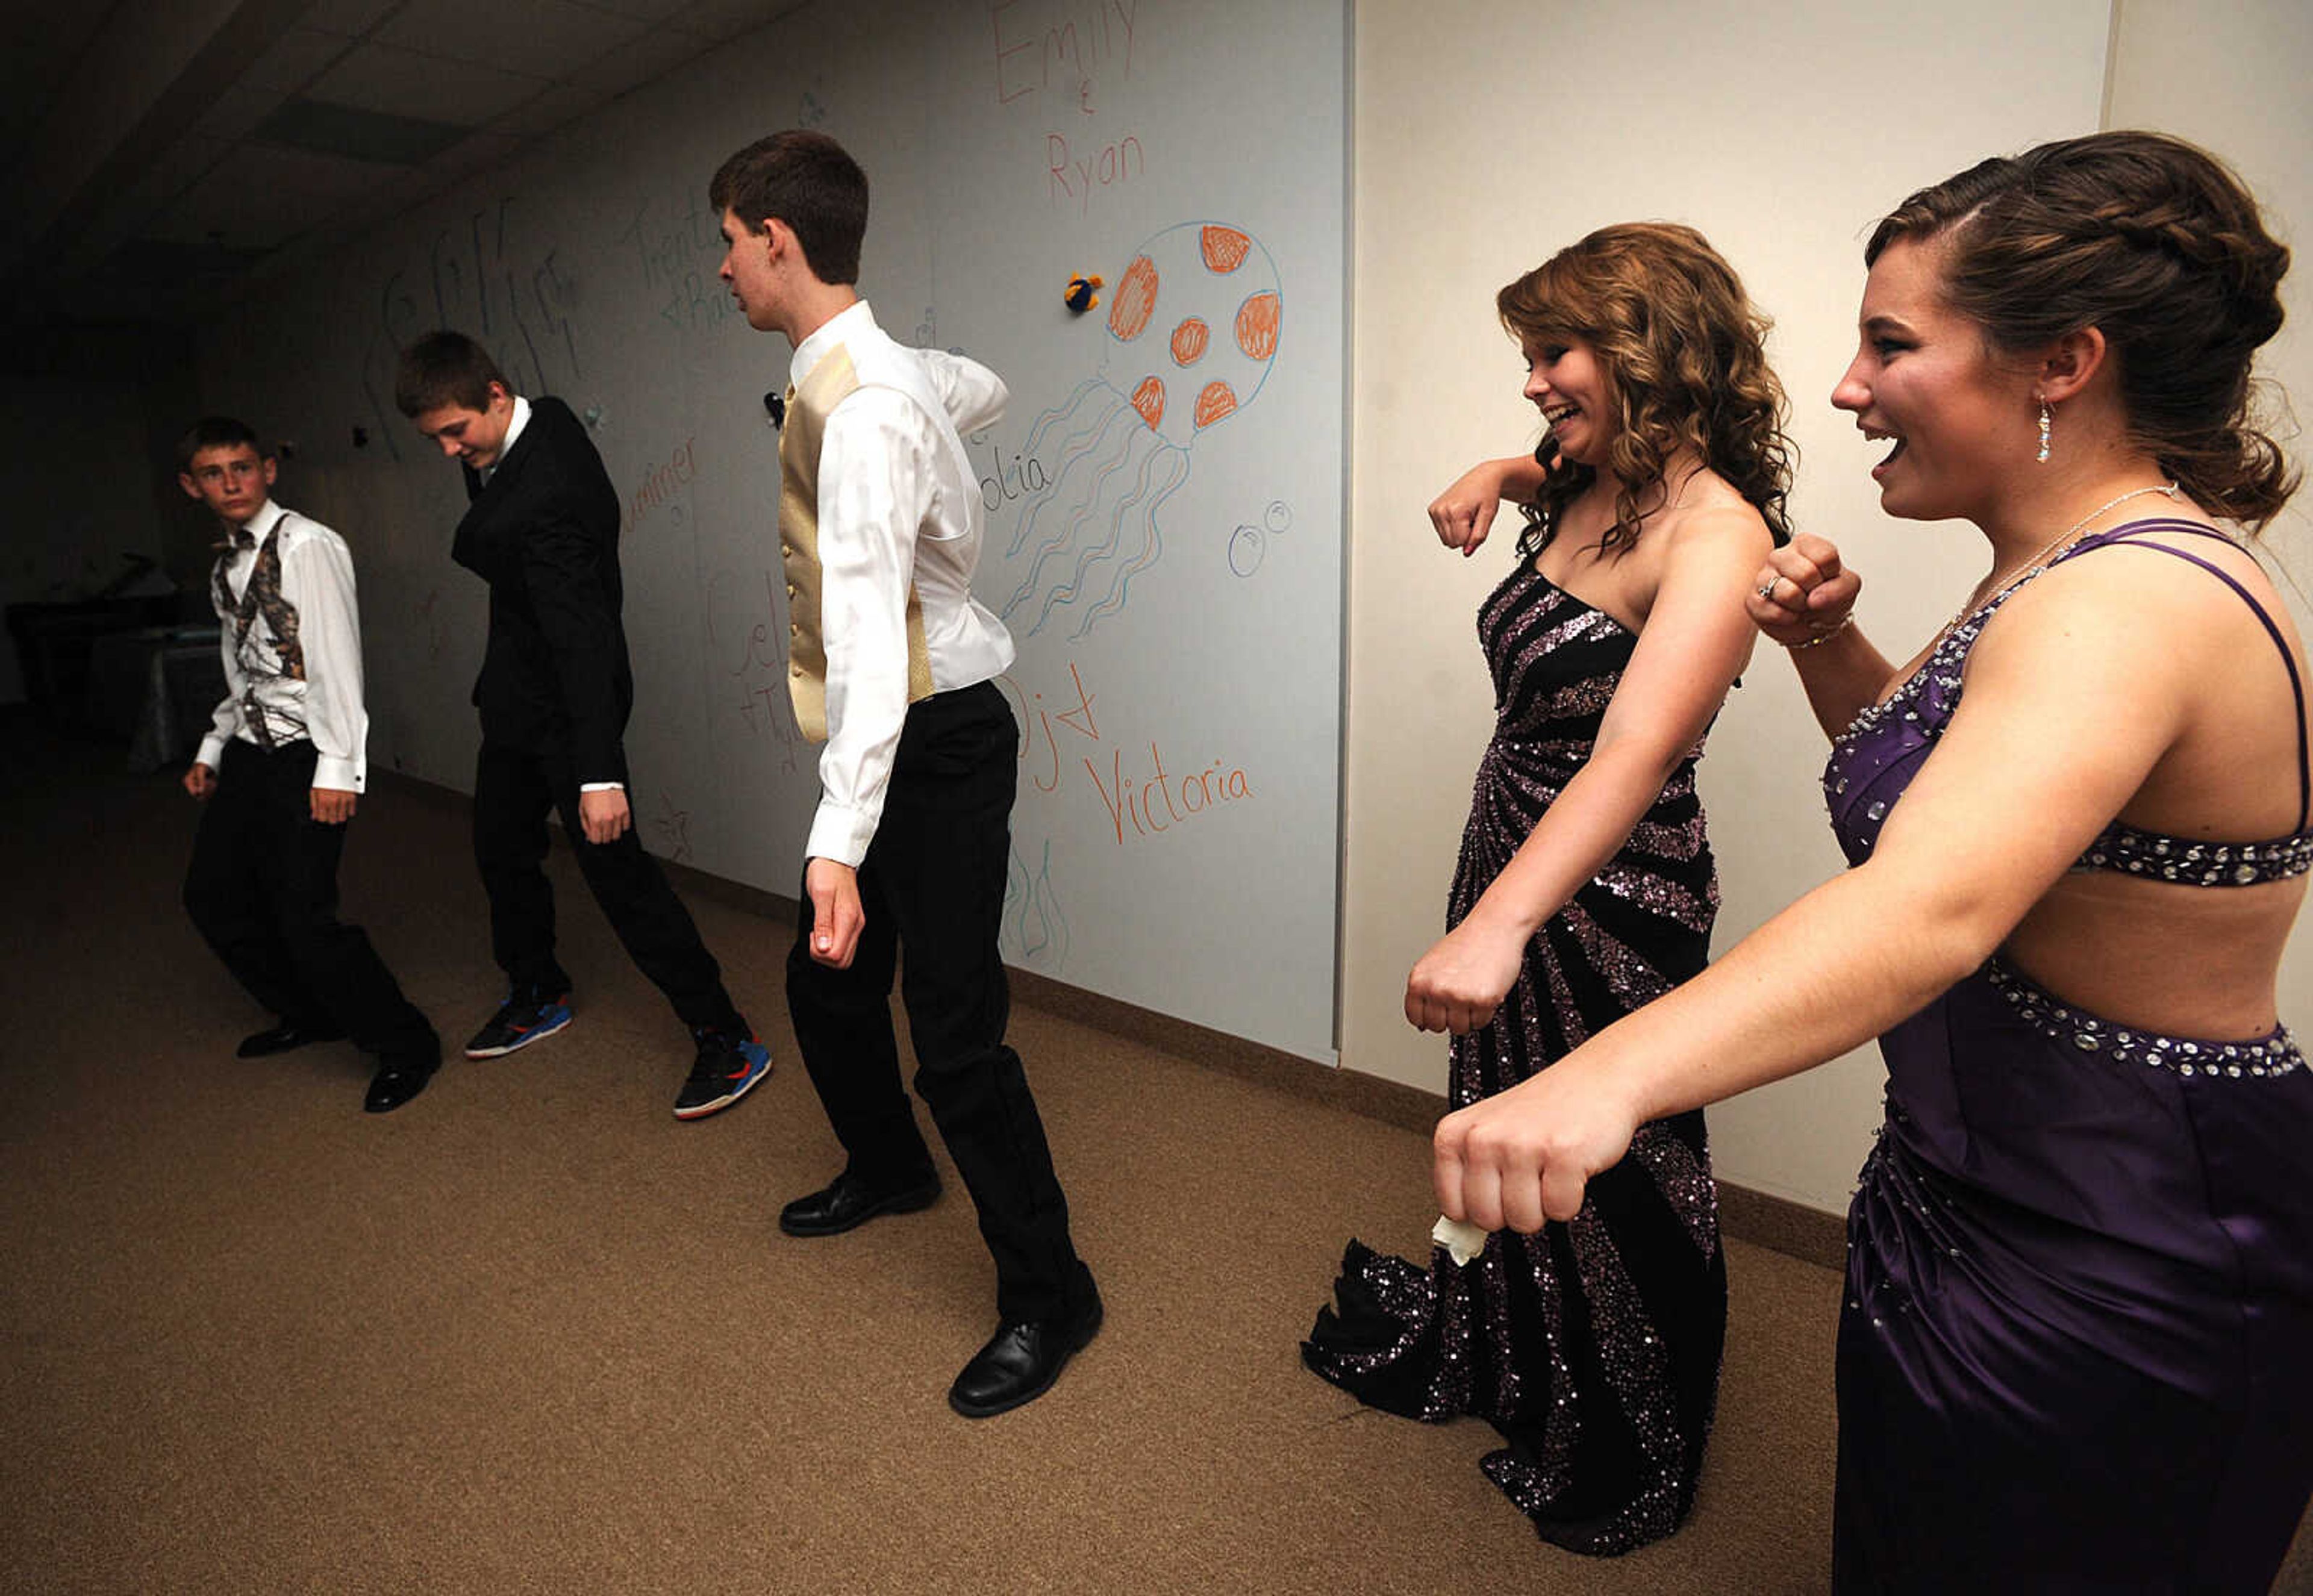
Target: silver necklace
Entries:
(2056, 548)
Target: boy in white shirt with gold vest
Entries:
(892, 665)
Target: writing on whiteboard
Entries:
(517, 298)
(662, 485)
(1040, 48)
(1139, 799)
(676, 249)
(1077, 171)
(1036, 929)
(750, 663)
(671, 825)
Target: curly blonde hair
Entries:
(1682, 352)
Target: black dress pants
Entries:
(262, 890)
(933, 881)
(513, 790)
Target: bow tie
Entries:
(241, 538)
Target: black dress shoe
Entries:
(285, 1036)
(397, 1081)
(847, 1202)
(1020, 1363)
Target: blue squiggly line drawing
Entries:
(1147, 558)
(1069, 462)
(1064, 409)
(1072, 454)
(1107, 468)
(1102, 418)
(1067, 592)
(1031, 911)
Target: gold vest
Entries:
(831, 382)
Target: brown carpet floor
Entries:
(532, 1333)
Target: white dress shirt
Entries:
(317, 581)
(898, 505)
(519, 419)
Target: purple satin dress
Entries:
(2076, 1351)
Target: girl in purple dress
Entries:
(1585, 886)
(2076, 1352)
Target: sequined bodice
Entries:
(1875, 760)
(1556, 661)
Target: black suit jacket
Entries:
(544, 533)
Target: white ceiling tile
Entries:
(241, 110)
(132, 213)
(473, 153)
(549, 39)
(556, 105)
(261, 196)
(653, 57)
(647, 10)
(296, 58)
(728, 19)
(347, 17)
(406, 83)
(184, 160)
(37, 54)
(389, 199)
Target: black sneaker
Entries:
(520, 1021)
(728, 1067)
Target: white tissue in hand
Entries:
(1461, 1239)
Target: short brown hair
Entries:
(218, 432)
(808, 182)
(445, 368)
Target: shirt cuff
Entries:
(840, 833)
(602, 787)
(338, 774)
(212, 752)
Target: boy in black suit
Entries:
(554, 694)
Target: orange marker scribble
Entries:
(1218, 399)
(1257, 326)
(1136, 300)
(1226, 249)
(1148, 399)
(1189, 340)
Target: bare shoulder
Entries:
(2135, 604)
(1706, 513)
(2165, 575)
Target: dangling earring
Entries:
(2044, 419)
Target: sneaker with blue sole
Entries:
(728, 1066)
(520, 1020)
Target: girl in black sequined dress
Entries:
(1586, 887)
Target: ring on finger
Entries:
(1767, 588)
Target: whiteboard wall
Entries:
(1165, 496)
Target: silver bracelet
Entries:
(1846, 622)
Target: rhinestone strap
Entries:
(2200, 863)
(2264, 1056)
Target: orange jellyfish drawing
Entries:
(1193, 330)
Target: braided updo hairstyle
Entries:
(2155, 242)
